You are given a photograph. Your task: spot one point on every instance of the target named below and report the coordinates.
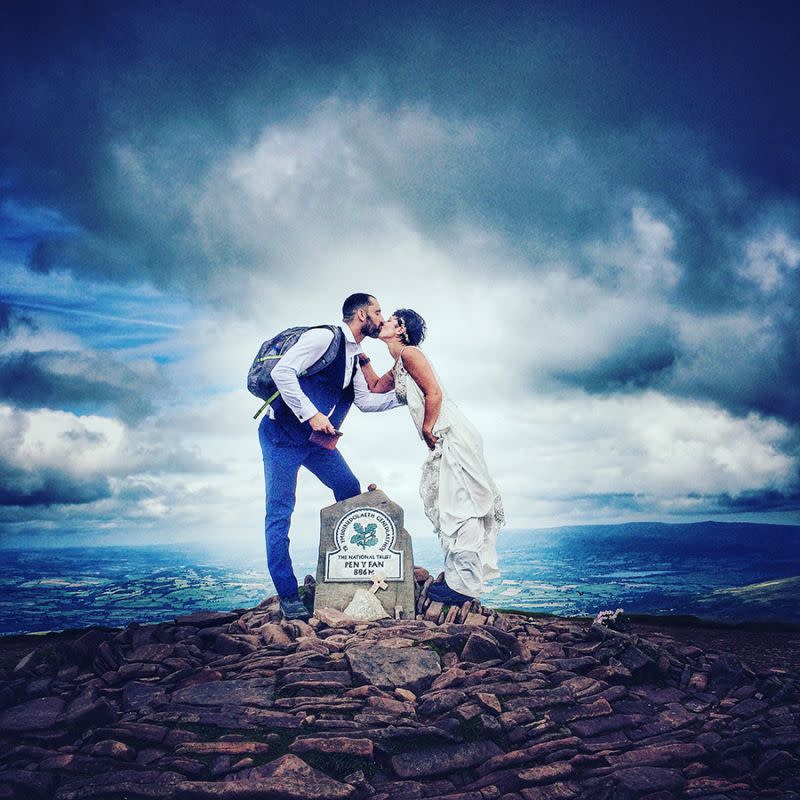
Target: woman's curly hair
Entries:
(413, 323)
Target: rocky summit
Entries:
(460, 702)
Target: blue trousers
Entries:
(281, 465)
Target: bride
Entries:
(459, 495)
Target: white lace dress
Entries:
(459, 495)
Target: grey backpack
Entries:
(259, 377)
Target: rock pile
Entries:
(468, 704)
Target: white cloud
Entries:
(769, 257)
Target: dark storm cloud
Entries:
(48, 486)
(72, 380)
(759, 500)
(182, 82)
(637, 364)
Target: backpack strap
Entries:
(326, 359)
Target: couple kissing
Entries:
(458, 494)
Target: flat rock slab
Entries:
(120, 783)
(441, 760)
(286, 778)
(35, 715)
(412, 668)
(226, 693)
(637, 780)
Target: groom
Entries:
(307, 404)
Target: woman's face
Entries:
(390, 329)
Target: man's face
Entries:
(374, 321)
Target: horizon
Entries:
(306, 546)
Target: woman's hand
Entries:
(430, 439)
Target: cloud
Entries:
(608, 273)
(52, 458)
(65, 379)
(770, 259)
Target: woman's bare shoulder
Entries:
(413, 355)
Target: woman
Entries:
(459, 495)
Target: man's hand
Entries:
(320, 423)
(430, 439)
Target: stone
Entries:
(553, 791)
(273, 634)
(365, 607)
(434, 610)
(151, 652)
(27, 783)
(435, 703)
(287, 777)
(35, 715)
(615, 722)
(658, 755)
(533, 753)
(120, 783)
(482, 646)
(342, 745)
(549, 773)
(223, 748)
(774, 762)
(225, 644)
(136, 696)
(113, 749)
(748, 708)
(349, 557)
(489, 702)
(725, 673)
(412, 668)
(638, 780)
(333, 617)
(25, 662)
(598, 708)
(635, 660)
(84, 712)
(137, 732)
(225, 693)
(443, 760)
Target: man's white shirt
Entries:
(305, 352)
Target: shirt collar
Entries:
(348, 334)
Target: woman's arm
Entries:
(379, 385)
(419, 369)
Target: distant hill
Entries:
(690, 537)
(768, 600)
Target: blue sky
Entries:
(594, 205)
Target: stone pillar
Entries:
(363, 539)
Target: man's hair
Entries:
(353, 303)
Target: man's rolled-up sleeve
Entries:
(365, 400)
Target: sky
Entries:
(593, 205)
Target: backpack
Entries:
(259, 377)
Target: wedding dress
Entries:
(459, 495)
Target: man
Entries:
(309, 403)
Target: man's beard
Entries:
(371, 329)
